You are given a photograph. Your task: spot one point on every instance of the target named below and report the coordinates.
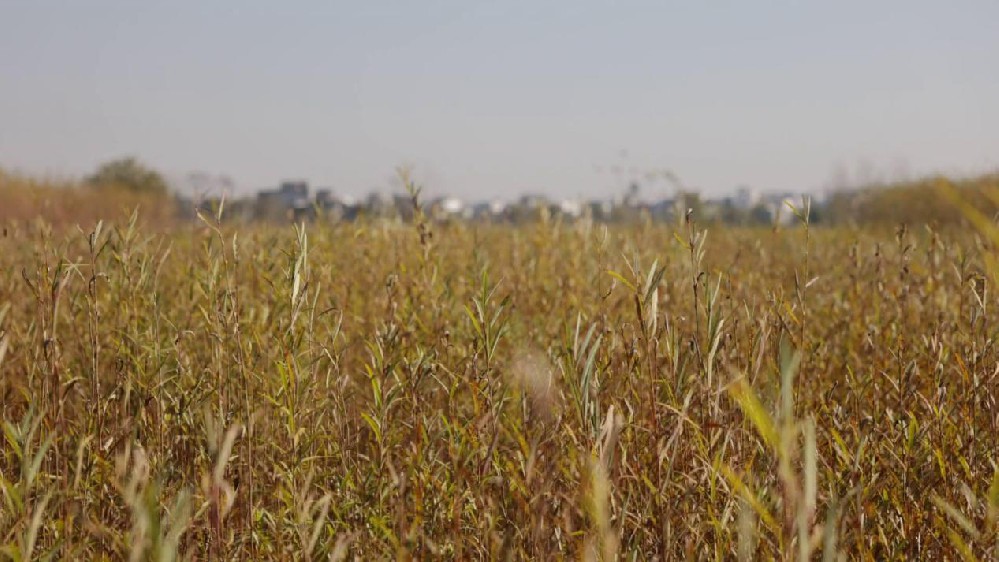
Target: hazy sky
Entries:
(499, 98)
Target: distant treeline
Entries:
(923, 201)
(62, 202)
(120, 187)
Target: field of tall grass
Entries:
(456, 391)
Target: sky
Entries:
(495, 99)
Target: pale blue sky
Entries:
(489, 99)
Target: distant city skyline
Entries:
(490, 100)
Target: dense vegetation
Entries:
(381, 390)
(128, 174)
(67, 203)
(914, 202)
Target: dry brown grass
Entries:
(62, 203)
(377, 391)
